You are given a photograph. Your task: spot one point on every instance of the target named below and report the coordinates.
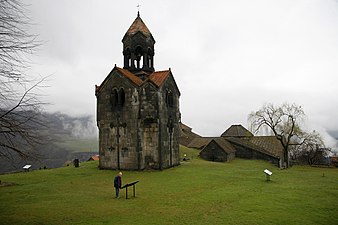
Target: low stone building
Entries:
(267, 148)
(94, 158)
(218, 150)
(248, 146)
(187, 135)
(244, 144)
(199, 142)
(237, 131)
(138, 109)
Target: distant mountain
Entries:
(62, 135)
(333, 133)
(74, 126)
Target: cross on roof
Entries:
(138, 8)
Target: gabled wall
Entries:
(169, 123)
(144, 132)
(214, 152)
(118, 125)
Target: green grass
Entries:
(80, 145)
(196, 192)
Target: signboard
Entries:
(268, 172)
(26, 167)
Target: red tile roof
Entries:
(159, 77)
(94, 158)
(156, 78)
(130, 76)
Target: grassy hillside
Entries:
(197, 192)
(80, 145)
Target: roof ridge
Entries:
(161, 71)
(158, 77)
(136, 80)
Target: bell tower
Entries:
(138, 48)
(138, 112)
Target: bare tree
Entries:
(283, 121)
(310, 148)
(20, 107)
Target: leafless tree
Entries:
(20, 107)
(310, 148)
(283, 121)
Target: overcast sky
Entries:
(228, 57)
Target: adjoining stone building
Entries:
(218, 150)
(187, 135)
(243, 145)
(248, 146)
(138, 112)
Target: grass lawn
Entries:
(196, 192)
(80, 145)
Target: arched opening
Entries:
(121, 97)
(139, 55)
(117, 98)
(127, 58)
(169, 99)
(114, 98)
(150, 58)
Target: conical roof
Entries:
(138, 26)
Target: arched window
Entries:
(114, 98)
(117, 98)
(139, 55)
(127, 55)
(121, 97)
(169, 99)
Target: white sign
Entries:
(27, 167)
(268, 172)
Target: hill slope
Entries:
(60, 137)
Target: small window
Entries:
(170, 99)
(121, 98)
(114, 98)
(117, 98)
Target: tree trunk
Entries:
(286, 158)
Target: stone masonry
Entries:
(138, 112)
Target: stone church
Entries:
(138, 112)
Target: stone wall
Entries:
(169, 125)
(213, 152)
(116, 122)
(248, 153)
(143, 131)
